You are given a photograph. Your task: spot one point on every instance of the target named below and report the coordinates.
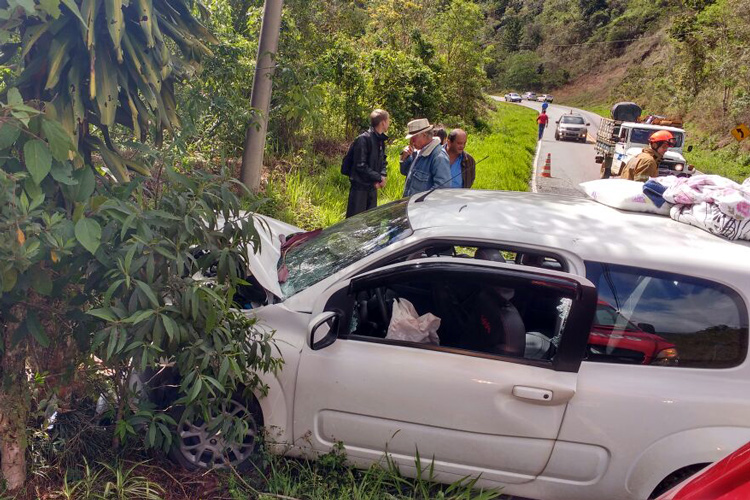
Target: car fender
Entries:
(277, 399)
(694, 446)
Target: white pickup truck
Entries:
(619, 141)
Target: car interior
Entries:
(478, 312)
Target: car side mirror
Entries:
(690, 148)
(647, 327)
(323, 330)
(588, 124)
(557, 121)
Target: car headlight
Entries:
(679, 167)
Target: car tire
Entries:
(195, 448)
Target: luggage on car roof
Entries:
(626, 111)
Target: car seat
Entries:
(492, 254)
(498, 327)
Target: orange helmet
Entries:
(662, 136)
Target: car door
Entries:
(471, 410)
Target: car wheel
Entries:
(197, 448)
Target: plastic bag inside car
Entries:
(406, 324)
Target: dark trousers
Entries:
(361, 198)
(541, 130)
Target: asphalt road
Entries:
(571, 162)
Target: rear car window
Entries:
(652, 317)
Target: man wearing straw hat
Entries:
(424, 162)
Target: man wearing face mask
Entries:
(424, 162)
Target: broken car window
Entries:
(342, 244)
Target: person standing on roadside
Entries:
(463, 166)
(424, 161)
(646, 163)
(368, 164)
(542, 120)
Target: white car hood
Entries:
(264, 262)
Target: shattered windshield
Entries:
(342, 244)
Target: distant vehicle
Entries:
(512, 97)
(548, 98)
(623, 136)
(571, 126)
(530, 96)
(541, 97)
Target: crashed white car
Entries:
(576, 357)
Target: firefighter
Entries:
(646, 164)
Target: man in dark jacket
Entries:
(463, 166)
(369, 165)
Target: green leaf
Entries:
(36, 329)
(59, 140)
(170, 326)
(70, 4)
(62, 173)
(38, 159)
(28, 6)
(148, 292)
(89, 234)
(10, 277)
(85, 187)
(10, 130)
(139, 316)
(40, 280)
(51, 7)
(14, 96)
(104, 313)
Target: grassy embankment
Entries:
(315, 196)
(710, 155)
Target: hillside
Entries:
(680, 57)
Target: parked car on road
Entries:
(512, 97)
(530, 96)
(548, 98)
(508, 390)
(571, 126)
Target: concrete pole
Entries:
(260, 100)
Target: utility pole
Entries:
(260, 100)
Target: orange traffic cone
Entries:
(547, 171)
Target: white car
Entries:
(578, 358)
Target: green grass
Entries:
(313, 193)
(332, 478)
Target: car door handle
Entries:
(532, 393)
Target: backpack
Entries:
(347, 164)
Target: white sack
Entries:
(406, 324)
(623, 194)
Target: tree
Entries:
(96, 260)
